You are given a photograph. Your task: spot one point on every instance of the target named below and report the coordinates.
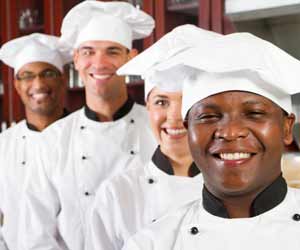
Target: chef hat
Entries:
(175, 42)
(239, 61)
(35, 48)
(119, 22)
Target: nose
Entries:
(174, 112)
(100, 59)
(37, 82)
(231, 130)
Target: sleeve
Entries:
(40, 205)
(102, 233)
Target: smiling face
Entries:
(97, 63)
(237, 139)
(42, 94)
(166, 121)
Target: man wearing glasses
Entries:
(38, 62)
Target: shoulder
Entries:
(62, 126)
(161, 234)
(12, 132)
(139, 109)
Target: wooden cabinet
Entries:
(208, 14)
(18, 18)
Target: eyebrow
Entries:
(85, 47)
(253, 102)
(160, 96)
(114, 48)
(95, 48)
(30, 72)
(207, 106)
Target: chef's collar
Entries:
(34, 128)
(124, 110)
(163, 163)
(272, 196)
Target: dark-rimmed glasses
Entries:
(47, 74)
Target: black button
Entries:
(23, 162)
(132, 152)
(83, 157)
(194, 230)
(82, 127)
(86, 193)
(150, 181)
(131, 121)
(153, 220)
(23, 137)
(296, 217)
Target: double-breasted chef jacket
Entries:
(204, 224)
(16, 145)
(75, 155)
(16, 153)
(128, 202)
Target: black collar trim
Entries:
(163, 163)
(272, 196)
(124, 110)
(34, 128)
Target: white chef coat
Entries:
(76, 155)
(192, 227)
(16, 145)
(128, 202)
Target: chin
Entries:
(43, 111)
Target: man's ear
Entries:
(288, 125)
(132, 53)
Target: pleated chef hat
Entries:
(178, 40)
(118, 22)
(35, 48)
(238, 61)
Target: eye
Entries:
(161, 102)
(208, 117)
(86, 52)
(255, 113)
(50, 74)
(113, 52)
(25, 77)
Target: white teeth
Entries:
(234, 156)
(39, 96)
(100, 77)
(176, 131)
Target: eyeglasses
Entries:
(48, 74)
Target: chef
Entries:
(241, 98)
(38, 61)
(136, 198)
(108, 135)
